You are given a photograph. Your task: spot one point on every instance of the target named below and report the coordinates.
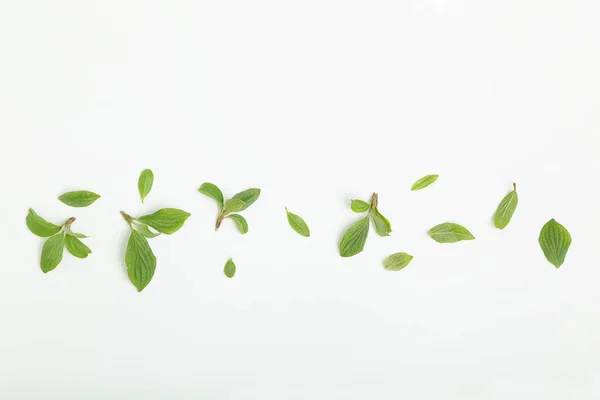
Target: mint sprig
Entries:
(230, 207)
(353, 241)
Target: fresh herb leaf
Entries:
(506, 209)
(359, 206)
(355, 237)
(229, 269)
(39, 226)
(76, 246)
(555, 241)
(140, 261)
(81, 198)
(248, 196)
(381, 223)
(424, 182)
(80, 235)
(450, 233)
(144, 230)
(297, 223)
(241, 222)
(212, 191)
(52, 252)
(397, 261)
(145, 182)
(234, 205)
(166, 220)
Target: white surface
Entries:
(315, 102)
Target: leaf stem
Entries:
(374, 201)
(69, 222)
(515, 186)
(128, 218)
(220, 219)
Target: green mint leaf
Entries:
(144, 230)
(297, 223)
(424, 182)
(450, 233)
(52, 252)
(241, 222)
(234, 205)
(140, 261)
(248, 196)
(381, 223)
(229, 269)
(355, 237)
(81, 198)
(80, 235)
(166, 220)
(76, 247)
(555, 241)
(212, 191)
(359, 206)
(39, 226)
(145, 182)
(397, 261)
(506, 209)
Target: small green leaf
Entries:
(450, 233)
(248, 196)
(359, 206)
(166, 220)
(355, 237)
(381, 223)
(506, 209)
(76, 247)
(234, 205)
(144, 230)
(297, 224)
(229, 269)
(145, 182)
(140, 261)
(81, 198)
(240, 221)
(397, 261)
(52, 252)
(39, 226)
(212, 191)
(555, 241)
(424, 182)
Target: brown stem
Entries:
(69, 222)
(515, 186)
(127, 217)
(220, 219)
(374, 201)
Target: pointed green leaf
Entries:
(248, 196)
(76, 247)
(234, 205)
(81, 198)
(240, 222)
(555, 241)
(355, 237)
(397, 261)
(212, 191)
(424, 182)
(140, 261)
(144, 230)
(297, 224)
(39, 226)
(450, 233)
(506, 209)
(229, 269)
(381, 223)
(359, 206)
(145, 182)
(52, 252)
(166, 220)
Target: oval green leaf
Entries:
(240, 221)
(506, 209)
(76, 247)
(397, 261)
(424, 182)
(145, 182)
(39, 226)
(248, 196)
(381, 223)
(359, 206)
(81, 198)
(450, 233)
(211, 190)
(52, 252)
(555, 241)
(166, 220)
(355, 237)
(144, 230)
(297, 224)
(140, 261)
(229, 269)
(234, 205)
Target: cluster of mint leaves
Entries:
(140, 261)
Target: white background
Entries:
(315, 102)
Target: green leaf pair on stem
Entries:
(229, 208)
(139, 258)
(59, 237)
(353, 241)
